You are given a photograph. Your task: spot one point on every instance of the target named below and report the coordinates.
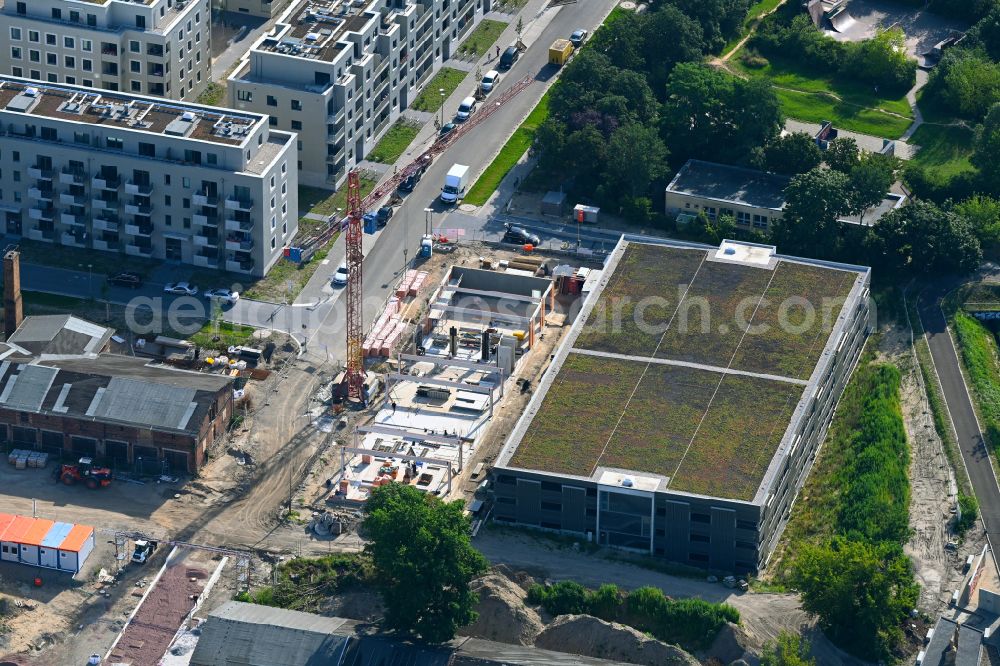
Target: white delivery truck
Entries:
(455, 182)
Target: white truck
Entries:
(455, 182)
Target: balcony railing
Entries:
(238, 266)
(40, 195)
(70, 239)
(205, 220)
(101, 204)
(137, 209)
(101, 183)
(239, 204)
(69, 218)
(46, 214)
(206, 241)
(44, 235)
(105, 225)
(237, 225)
(143, 189)
(71, 177)
(203, 199)
(40, 173)
(72, 199)
(138, 250)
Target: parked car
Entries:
(578, 38)
(489, 81)
(508, 58)
(409, 182)
(520, 235)
(180, 288)
(125, 279)
(143, 551)
(227, 296)
(339, 278)
(447, 127)
(383, 215)
(466, 109)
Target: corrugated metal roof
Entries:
(15, 531)
(146, 403)
(76, 538)
(60, 335)
(36, 533)
(26, 390)
(57, 535)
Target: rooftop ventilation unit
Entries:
(188, 116)
(312, 37)
(31, 92)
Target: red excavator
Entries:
(93, 477)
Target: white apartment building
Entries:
(147, 47)
(144, 177)
(340, 72)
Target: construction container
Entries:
(560, 52)
(585, 214)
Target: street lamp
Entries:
(428, 217)
(441, 92)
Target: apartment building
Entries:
(148, 47)
(135, 175)
(339, 73)
(260, 8)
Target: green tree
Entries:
(986, 33)
(789, 650)
(869, 181)
(813, 203)
(922, 238)
(719, 19)
(423, 560)
(792, 154)
(636, 157)
(882, 60)
(620, 40)
(983, 214)
(668, 37)
(711, 112)
(965, 82)
(842, 154)
(986, 148)
(861, 593)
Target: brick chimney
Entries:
(13, 308)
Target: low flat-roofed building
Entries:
(680, 415)
(754, 198)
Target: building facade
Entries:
(639, 509)
(129, 174)
(147, 47)
(265, 9)
(339, 74)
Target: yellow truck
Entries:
(560, 52)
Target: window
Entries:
(86, 45)
(33, 36)
(746, 545)
(89, 83)
(699, 538)
(185, 182)
(140, 21)
(272, 101)
(81, 137)
(51, 59)
(743, 218)
(244, 95)
(185, 203)
(56, 13)
(212, 158)
(69, 42)
(551, 506)
(34, 56)
(296, 105)
(71, 80)
(147, 149)
(17, 71)
(700, 518)
(22, 8)
(50, 39)
(135, 66)
(272, 121)
(49, 134)
(136, 86)
(87, 65)
(296, 124)
(91, 19)
(746, 525)
(74, 16)
(167, 201)
(52, 78)
(15, 33)
(70, 62)
(166, 179)
(114, 143)
(760, 222)
(15, 52)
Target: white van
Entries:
(466, 109)
(489, 81)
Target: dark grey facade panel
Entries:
(529, 501)
(574, 509)
(723, 554)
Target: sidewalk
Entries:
(867, 142)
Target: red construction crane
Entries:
(355, 324)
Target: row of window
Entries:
(155, 88)
(74, 16)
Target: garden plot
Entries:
(790, 328)
(646, 286)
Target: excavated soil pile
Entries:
(503, 617)
(592, 637)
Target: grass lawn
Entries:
(482, 38)
(75, 258)
(812, 97)
(944, 151)
(430, 99)
(286, 280)
(395, 141)
(325, 202)
(755, 11)
(228, 334)
(508, 156)
(979, 353)
(213, 94)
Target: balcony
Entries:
(137, 209)
(70, 177)
(138, 250)
(102, 183)
(238, 244)
(139, 229)
(101, 204)
(205, 262)
(70, 239)
(103, 245)
(206, 241)
(203, 199)
(237, 225)
(105, 225)
(40, 173)
(44, 235)
(39, 195)
(205, 220)
(142, 189)
(239, 204)
(72, 199)
(46, 214)
(69, 218)
(239, 266)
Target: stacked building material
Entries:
(390, 327)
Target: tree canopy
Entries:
(792, 154)
(922, 238)
(789, 650)
(986, 148)
(423, 560)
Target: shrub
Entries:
(968, 508)
(564, 598)
(754, 60)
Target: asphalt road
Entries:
(963, 416)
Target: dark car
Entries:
(125, 279)
(520, 235)
(383, 215)
(447, 127)
(508, 58)
(577, 38)
(410, 182)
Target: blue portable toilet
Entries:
(371, 222)
(426, 246)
